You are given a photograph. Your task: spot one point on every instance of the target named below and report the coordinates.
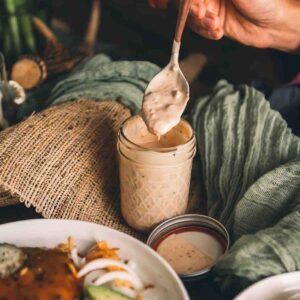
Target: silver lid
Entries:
(186, 221)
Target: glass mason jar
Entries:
(155, 181)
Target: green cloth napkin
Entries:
(250, 163)
(97, 78)
(101, 79)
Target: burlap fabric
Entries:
(63, 162)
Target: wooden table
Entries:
(203, 289)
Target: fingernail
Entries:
(216, 34)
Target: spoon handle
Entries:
(184, 8)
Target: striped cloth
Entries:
(250, 165)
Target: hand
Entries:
(259, 23)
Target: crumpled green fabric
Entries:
(250, 163)
(96, 78)
(102, 79)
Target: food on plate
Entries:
(64, 274)
(45, 274)
(104, 293)
(182, 255)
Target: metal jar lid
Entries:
(197, 224)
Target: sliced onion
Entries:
(92, 276)
(101, 263)
(110, 276)
(75, 257)
(82, 262)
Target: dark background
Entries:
(144, 33)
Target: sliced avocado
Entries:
(104, 293)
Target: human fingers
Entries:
(198, 9)
(213, 34)
(210, 22)
(209, 26)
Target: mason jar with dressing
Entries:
(154, 173)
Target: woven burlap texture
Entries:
(63, 162)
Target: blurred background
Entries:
(133, 30)
(140, 32)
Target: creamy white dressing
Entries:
(166, 97)
(183, 255)
(137, 132)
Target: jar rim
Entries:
(131, 147)
(190, 158)
(165, 149)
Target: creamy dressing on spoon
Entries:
(138, 133)
(166, 97)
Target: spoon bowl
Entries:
(166, 97)
(167, 94)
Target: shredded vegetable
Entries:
(103, 265)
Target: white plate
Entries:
(48, 233)
(280, 287)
